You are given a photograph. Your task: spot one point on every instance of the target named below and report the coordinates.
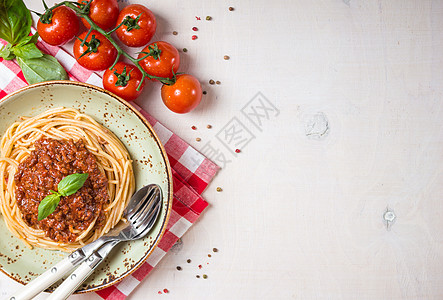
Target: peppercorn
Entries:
(211, 81)
(231, 8)
(208, 18)
(217, 82)
(219, 189)
(194, 28)
(179, 268)
(205, 276)
(204, 92)
(194, 37)
(198, 139)
(174, 32)
(215, 249)
(226, 57)
(209, 126)
(188, 261)
(185, 50)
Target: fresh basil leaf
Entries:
(15, 20)
(6, 53)
(40, 69)
(72, 183)
(27, 51)
(47, 206)
(28, 39)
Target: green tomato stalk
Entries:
(82, 10)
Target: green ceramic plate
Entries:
(150, 166)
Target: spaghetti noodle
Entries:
(64, 124)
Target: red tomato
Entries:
(62, 26)
(104, 13)
(184, 95)
(125, 83)
(161, 66)
(139, 26)
(99, 55)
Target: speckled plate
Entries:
(150, 164)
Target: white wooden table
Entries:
(348, 125)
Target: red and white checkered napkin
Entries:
(191, 171)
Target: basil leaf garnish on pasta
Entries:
(66, 187)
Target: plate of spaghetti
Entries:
(50, 131)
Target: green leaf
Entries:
(29, 39)
(15, 20)
(6, 53)
(27, 51)
(72, 183)
(48, 206)
(40, 69)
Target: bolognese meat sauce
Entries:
(42, 170)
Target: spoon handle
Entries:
(50, 276)
(70, 285)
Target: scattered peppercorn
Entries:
(199, 266)
(198, 18)
(198, 276)
(226, 57)
(193, 127)
(194, 28)
(215, 249)
(209, 126)
(211, 81)
(179, 268)
(159, 292)
(205, 92)
(219, 189)
(209, 255)
(185, 50)
(231, 8)
(205, 276)
(166, 291)
(198, 139)
(194, 37)
(174, 32)
(237, 150)
(217, 82)
(188, 261)
(208, 18)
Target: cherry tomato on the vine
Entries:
(104, 13)
(138, 27)
(162, 60)
(182, 96)
(97, 53)
(58, 27)
(123, 81)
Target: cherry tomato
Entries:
(160, 65)
(184, 95)
(104, 13)
(100, 52)
(139, 25)
(125, 82)
(62, 27)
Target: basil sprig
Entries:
(66, 187)
(15, 26)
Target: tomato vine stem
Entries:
(83, 11)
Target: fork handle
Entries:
(76, 278)
(46, 279)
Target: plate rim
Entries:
(163, 153)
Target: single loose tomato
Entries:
(123, 80)
(97, 53)
(162, 59)
(58, 27)
(138, 25)
(182, 96)
(104, 13)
